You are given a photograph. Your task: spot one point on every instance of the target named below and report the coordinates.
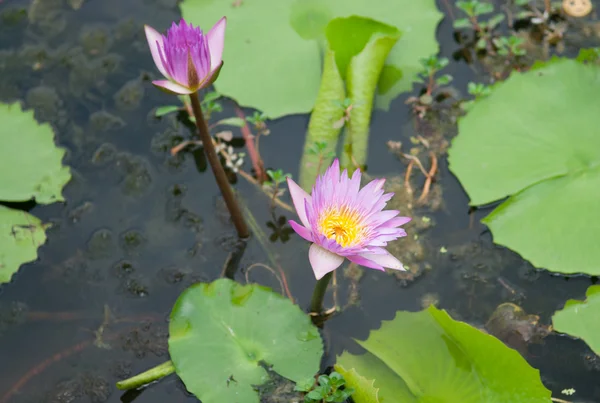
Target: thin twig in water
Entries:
(257, 162)
(282, 281)
(557, 400)
(407, 177)
(429, 179)
(417, 161)
(277, 200)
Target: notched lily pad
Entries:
(225, 338)
(581, 319)
(30, 162)
(429, 357)
(544, 158)
(20, 236)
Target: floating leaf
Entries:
(580, 318)
(30, 162)
(278, 70)
(534, 138)
(429, 357)
(20, 236)
(223, 333)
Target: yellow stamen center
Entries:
(343, 225)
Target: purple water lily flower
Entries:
(188, 59)
(346, 222)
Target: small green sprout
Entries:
(257, 119)
(277, 177)
(271, 186)
(478, 90)
(210, 105)
(327, 390)
(483, 29)
(509, 46)
(431, 65)
(320, 148)
(474, 8)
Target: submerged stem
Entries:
(218, 171)
(152, 375)
(316, 302)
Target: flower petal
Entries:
(298, 197)
(212, 77)
(302, 231)
(171, 87)
(155, 42)
(385, 260)
(216, 42)
(323, 261)
(361, 261)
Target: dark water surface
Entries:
(139, 225)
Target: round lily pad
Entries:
(30, 162)
(429, 357)
(20, 236)
(581, 319)
(272, 55)
(225, 337)
(535, 140)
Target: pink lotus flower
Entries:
(344, 222)
(188, 59)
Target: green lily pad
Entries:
(273, 55)
(535, 139)
(429, 357)
(30, 162)
(223, 335)
(20, 236)
(581, 318)
(364, 391)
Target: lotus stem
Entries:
(152, 375)
(316, 303)
(218, 171)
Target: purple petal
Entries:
(385, 260)
(298, 197)
(396, 222)
(216, 43)
(362, 261)
(323, 261)
(302, 231)
(171, 87)
(156, 45)
(212, 77)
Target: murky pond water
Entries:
(140, 225)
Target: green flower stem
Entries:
(218, 171)
(316, 303)
(153, 374)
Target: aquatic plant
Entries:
(345, 222)
(293, 62)
(191, 61)
(483, 29)
(32, 169)
(330, 388)
(427, 356)
(539, 162)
